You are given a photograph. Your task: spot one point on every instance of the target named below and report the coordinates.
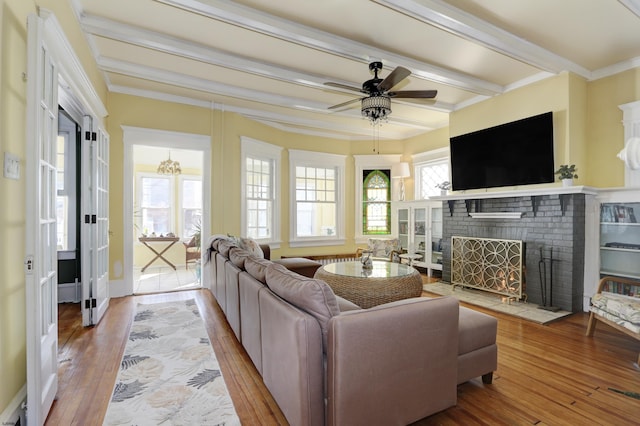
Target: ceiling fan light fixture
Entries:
(376, 108)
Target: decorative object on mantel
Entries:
(630, 154)
(566, 174)
(444, 187)
(401, 171)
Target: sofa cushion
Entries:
(257, 268)
(311, 295)
(622, 309)
(346, 305)
(475, 330)
(238, 256)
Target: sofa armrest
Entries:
(392, 364)
(266, 250)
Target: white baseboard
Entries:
(14, 411)
(69, 292)
(117, 289)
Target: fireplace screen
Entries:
(488, 264)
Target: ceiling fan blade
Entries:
(344, 86)
(344, 104)
(426, 94)
(396, 76)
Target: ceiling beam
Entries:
(194, 83)
(293, 32)
(632, 5)
(469, 27)
(136, 36)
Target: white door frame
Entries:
(166, 139)
(71, 74)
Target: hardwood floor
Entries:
(546, 375)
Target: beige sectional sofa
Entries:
(328, 362)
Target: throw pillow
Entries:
(251, 246)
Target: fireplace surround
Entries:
(544, 220)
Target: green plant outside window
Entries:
(376, 202)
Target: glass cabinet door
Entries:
(436, 235)
(620, 239)
(419, 232)
(403, 227)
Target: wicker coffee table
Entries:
(386, 282)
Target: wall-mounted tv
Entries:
(511, 154)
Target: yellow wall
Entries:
(13, 63)
(588, 133)
(605, 133)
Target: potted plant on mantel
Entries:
(444, 187)
(566, 174)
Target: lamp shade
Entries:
(400, 170)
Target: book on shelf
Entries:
(617, 213)
(624, 289)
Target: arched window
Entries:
(376, 202)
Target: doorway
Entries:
(168, 212)
(68, 209)
(167, 199)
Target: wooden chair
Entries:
(615, 293)
(192, 252)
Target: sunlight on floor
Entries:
(164, 278)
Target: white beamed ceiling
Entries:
(268, 59)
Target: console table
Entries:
(385, 282)
(170, 241)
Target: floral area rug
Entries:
(169, 374)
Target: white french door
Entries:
(41, 238)
(95, 223)
(47, 46)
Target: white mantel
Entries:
(561, 190)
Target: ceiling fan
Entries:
(376, 105)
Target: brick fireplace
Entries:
(547, 222)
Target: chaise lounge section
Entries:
(328, 362)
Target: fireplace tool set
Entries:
(542, 269)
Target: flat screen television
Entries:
(511, 154)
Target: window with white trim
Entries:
(260, 181)
(317, 194)
(191, 205)
(431, 169)
(364, 165)
(155, 196)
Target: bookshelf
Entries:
(620, 239)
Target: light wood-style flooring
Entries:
(547, 375)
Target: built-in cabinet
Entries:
(620, 239)
(418, 226)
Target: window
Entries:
(376, 202)
(260, 177)
(155, 204)
(317, 198)
(431, 169)
(191, 213)
(66, 197)
(374, 217)
(62, 200)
